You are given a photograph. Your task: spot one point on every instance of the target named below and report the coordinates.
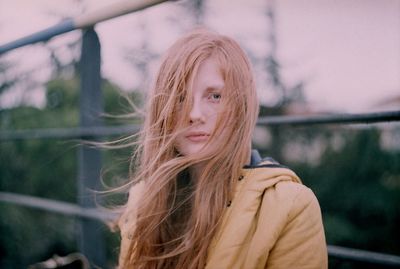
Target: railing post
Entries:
(90, 232)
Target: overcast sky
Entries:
(347, 51)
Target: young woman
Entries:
(196, 199)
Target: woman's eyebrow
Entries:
(215, 87)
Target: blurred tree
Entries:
(356, 182)
(5, 83)
(47, 168)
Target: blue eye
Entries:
(216, 97)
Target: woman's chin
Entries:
(192, 149)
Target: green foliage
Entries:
(47, 168)
(28, 236)
(357, 185)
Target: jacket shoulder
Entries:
(294, 190)
(129, 215)
(295, 195)
(127, 220)
(300, 240)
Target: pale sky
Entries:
(347, 51)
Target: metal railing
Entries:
(83, 21)
(107, 216)
(103, 131)
(86, 210)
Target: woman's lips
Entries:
(198, 137)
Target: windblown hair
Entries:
(176, 216)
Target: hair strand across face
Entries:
(177, 215)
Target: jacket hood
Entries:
(241, 216)
(266, 175)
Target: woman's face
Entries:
(207, 90)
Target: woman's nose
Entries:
(196, 112)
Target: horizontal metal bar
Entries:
(364, 118)
(68, 133)
(56, 206)
(101, 131)
(81, 21)
(112, 11)
(93, 213)
(363, 256)
(60, 28)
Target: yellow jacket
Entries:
(272, 222)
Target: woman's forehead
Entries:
(209, 75)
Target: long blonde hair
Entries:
(177, 216)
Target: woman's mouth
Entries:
(197, 137)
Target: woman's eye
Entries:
(215, 97)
